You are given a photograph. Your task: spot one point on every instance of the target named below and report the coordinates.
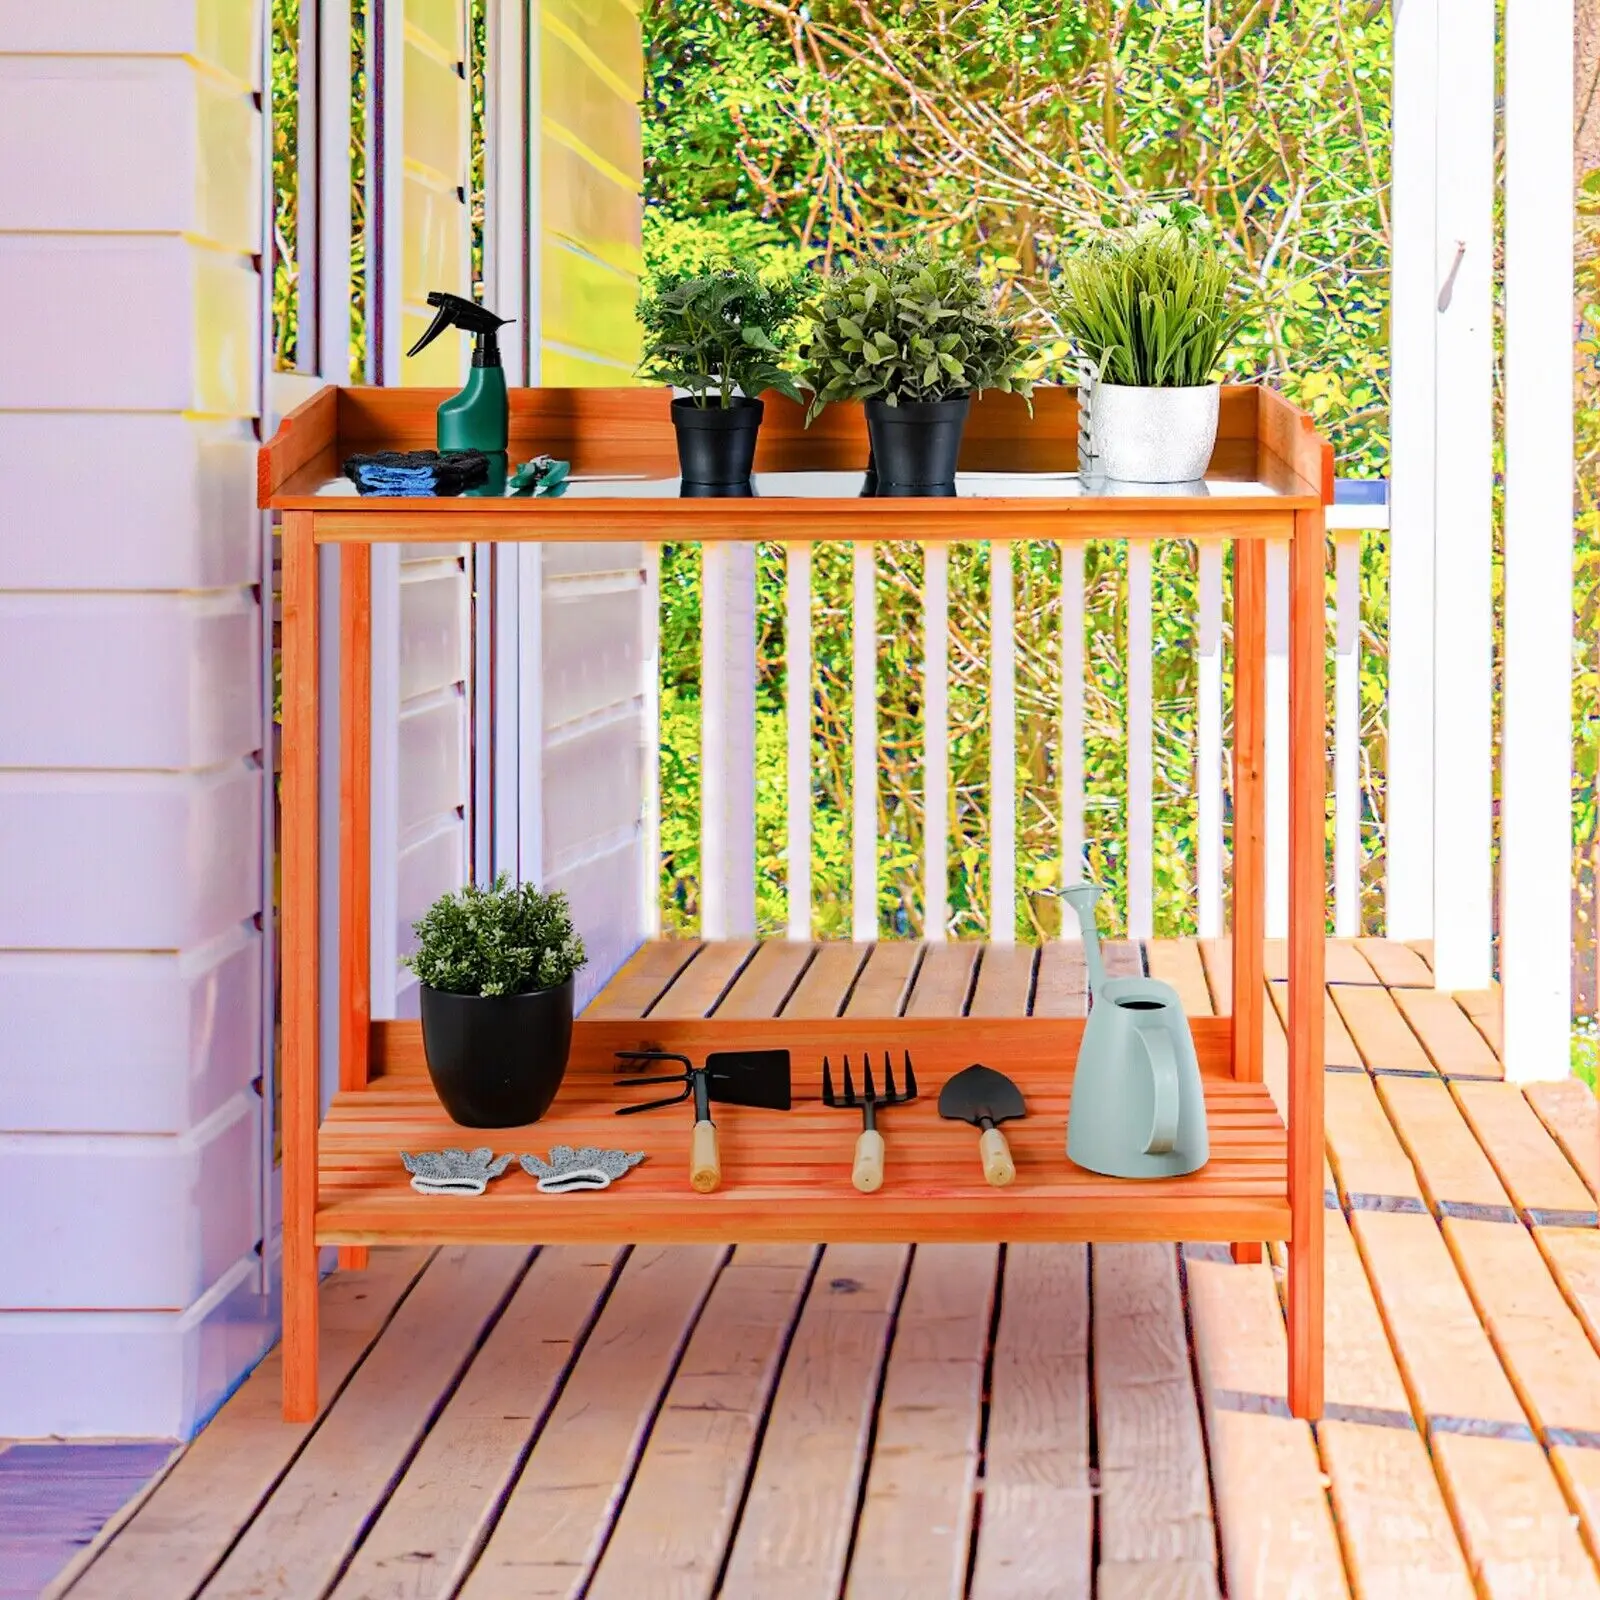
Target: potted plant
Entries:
(914, 337)
(721, 336)
(496, 967)
(1151, 308)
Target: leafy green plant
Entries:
(910, 327)
(507, 939)
(712, 332)
(1151, 305)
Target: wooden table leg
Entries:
(1249, 819)
(1308, 911)
(298, 866)
(355, 831)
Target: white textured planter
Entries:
(1154, 435)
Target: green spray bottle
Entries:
(476, 418)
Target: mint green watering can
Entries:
(1138, 1110)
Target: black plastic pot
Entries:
(497, 1060)
(717, 445)
(915, 444)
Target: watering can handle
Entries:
(1164, 1078)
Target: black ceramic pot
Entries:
(717, 445)
(915, 444)
(497, 1060)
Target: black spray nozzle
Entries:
(454, 311)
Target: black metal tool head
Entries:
(758, 1078)
(981, 1096)
(684, 1078)
(871, 1099)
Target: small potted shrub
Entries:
(1151, 308)
(496, 967)
(720, 335)
(914, 337)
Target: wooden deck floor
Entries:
(1046, 1421)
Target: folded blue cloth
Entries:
(416, 473)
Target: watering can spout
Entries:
(1082, 897)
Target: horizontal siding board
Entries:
(127, 1043)
(443, 363)
(588, 306)
(431, 244)
(593, 792)
(593, 652)
(608, 30)
(134, 1374)
(128, 861)
(569, 369)
(435, 117)
(608, 561)
(437, 20)
(589, 209)
(605, 899)
(170, 504)
(222, 34)
(579, 105)
(82, 1211)
(425, 869)
(432, 755)
(190, 170)
(127, 324)
(433, 632)
(147, 680)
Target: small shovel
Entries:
(984, 1097)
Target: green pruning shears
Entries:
(542, 476)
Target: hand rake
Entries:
(867, 1173)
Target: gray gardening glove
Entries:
(454, 1171)
(589, 1168)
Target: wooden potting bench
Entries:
(786, 1175)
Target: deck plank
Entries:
(1272, 1510)
(671, 1535)
(1345, 964)
(1062, 986)
(559, 1510)
(427, 1535)
(1517, 1527)
(1368, 1159)
(794, 1537)
(1379, 1030)
(1482, 1008)
(1541, 1181)
(1036, 1537)
(1454, 1046)
(1450, 1368)
(1571, 1114)
(1005, 980)
(643, 979)
(700, 985)
(944, 980)
(885, 980)
(1392, 1516)
(1363, 1377)
(1455, 1172)
(1573, 1255)
(826, 983)
(1156, 1580)
(317, 1514)
(1397, 965)
(185, 1527)
(916, 1520)
(1177, 961)
(1338, 1048)
(1155, 1502)
(762, 987)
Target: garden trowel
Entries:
(984, 1097)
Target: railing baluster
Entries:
(727, 742)
(1141, 820)
(797, 633)
(1277, 863)
(1002, 746)
(936, 740)
(864, 716)
(1347, 736)
(1208, 773)
(1072, 839)
(650, 912)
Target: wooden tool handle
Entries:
(998, 1166)
(867, 1174)
(705, 1162)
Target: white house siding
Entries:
(129, 724)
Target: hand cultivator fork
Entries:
(867, 1173)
